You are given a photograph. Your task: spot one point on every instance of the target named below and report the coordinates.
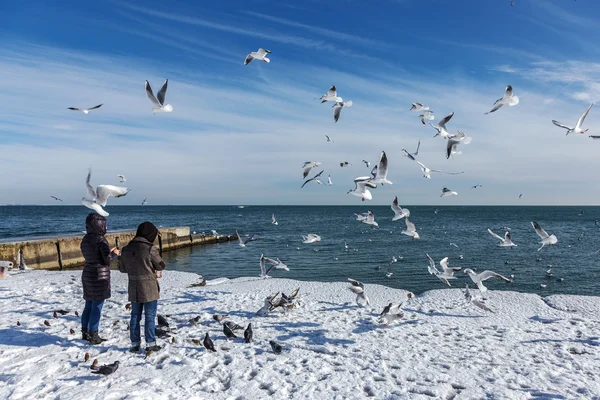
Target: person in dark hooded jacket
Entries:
(95, 276)
(141, 260)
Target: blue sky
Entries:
(239, 134)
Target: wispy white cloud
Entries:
(257, 136)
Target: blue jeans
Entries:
(149, 310)
(90, 317)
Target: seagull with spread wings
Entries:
(95, 199)
(85, 110)
(360, 189)
(158, 101)
(577, 128)
(508, 98)
(261, 55)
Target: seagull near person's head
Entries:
(95, 199)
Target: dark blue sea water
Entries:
(574, 258)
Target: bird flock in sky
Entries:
(96, 199)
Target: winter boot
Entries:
(85, 334)
(94, 338)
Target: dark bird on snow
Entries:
(46, 323)
(208, 343)
(106, 369)
(248, 334)
(162, 321)
(277, 349)
(86, 357)
(228, 332)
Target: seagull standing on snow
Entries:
(427, 171)
(85, 110)
(359, 289)
(381, 172)
(448, 192)
(331, 95)
(261, 54)
(483, 276)
(504, 241)
(410, 230)
(546, 239)
(337, 109)
(399, 212)
(441, 126)
(96, 199)
(158, 102)
(360, 189)
(508, 98)
(577, 128)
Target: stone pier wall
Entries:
(63, 252)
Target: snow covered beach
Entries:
(530, 347)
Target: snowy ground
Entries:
(531, 347)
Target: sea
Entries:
(352, 249)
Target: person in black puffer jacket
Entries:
(95, 276)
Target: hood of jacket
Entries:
(95, 224)
(147, 230)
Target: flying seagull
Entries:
(410, 230)
(577, 128)
(482, 276)
(308, 165)
(329, 180)
(311, 238)
(427, 115)
(273, 220)
(441, 126)
(56, 198)
(370, 220)
(476, 186)
(277, 264)
(360, 189)
(359, 289)
(314, 178)
(96, 199)
(261, 54)
(331, 95)
(418, 107)
(412, 155)
(546, 239)
(508, 98)
(85, 110)
(328, 139)
(381, 172)
(448, 192)
(454, 141)
(447, 272)
(158, 102)
(427, 172)
(399, 212)
(122, 178)
(504, 241)
(145, 201)
(391, 313)
(345, 164)
(337, 109)
(243, 242)
(368, 164)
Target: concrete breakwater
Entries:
(63, 252)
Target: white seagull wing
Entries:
(105, 191)
(538, 229)
(151, 96)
